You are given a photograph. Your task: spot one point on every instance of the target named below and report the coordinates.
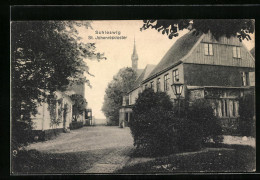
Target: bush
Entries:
(189, 135)
(201, 112)
(151, 125)
(157, 128)
(76, 125)
(247, 113)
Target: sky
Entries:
(151, 46)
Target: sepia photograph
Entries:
(154, 96)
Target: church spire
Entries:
(134, 58)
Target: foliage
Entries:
(189, 135)
(157, 126)
(152, 123)
(45, 56)
(201, 111)
(122, 82)
(79, 105)
(76, 125)
(247, 114)
(218, 27)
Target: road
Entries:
(100, 149)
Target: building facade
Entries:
(220, 70)
(53, 117)
(75, 88)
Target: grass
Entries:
(226, 158)
(216, 158)
(34, 162)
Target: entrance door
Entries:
(126, 117)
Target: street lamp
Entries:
(177, 88)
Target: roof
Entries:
(178, 50)
(253, 51)
(139, 72)
(144, 74)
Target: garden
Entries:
(185, 139)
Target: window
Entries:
(245, 78)
(130, 102)
(227, 108)
(208, 49)
(158, 84)
(152, 85)
(236, 52)
(175, 75)
(166, 82)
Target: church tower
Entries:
(134, 58)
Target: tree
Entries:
(79, 105)
(45, 56)
(218, 27)
(117, 88)
(157, 128)
(201, 111)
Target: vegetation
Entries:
(79, 105)
(225, 158)
(247, 115)
(218, 27)
(152, 123)
(157, 128)
(202, 112)
(46, 56)
(117, 88)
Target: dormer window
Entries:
(208, 49)
(236, 52)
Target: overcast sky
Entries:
(150, 44)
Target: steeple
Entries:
(134, 58)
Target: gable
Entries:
(222, 53)
(178, 50)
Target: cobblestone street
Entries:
(99, 149)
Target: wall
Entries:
(222, 53)
(134, 95)
(42, 120)
(170, 91)
(210, 75)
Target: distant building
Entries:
(220, 70)
(125, 113)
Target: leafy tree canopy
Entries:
(79, 105)
(122, 82)
(218, 27)
(45, 56)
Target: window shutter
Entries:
(238, 52)
(234, 52)
(219, 108)
(252, 78)
(210, 49)
(206, 49)
(231, 113)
